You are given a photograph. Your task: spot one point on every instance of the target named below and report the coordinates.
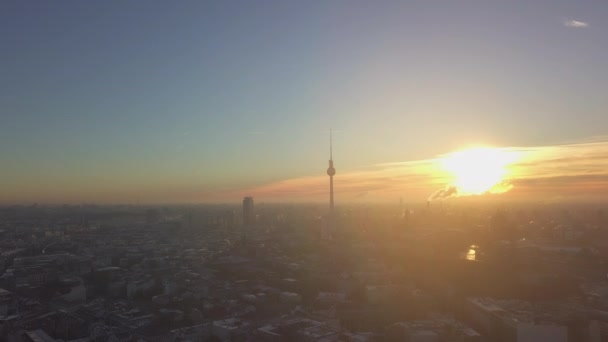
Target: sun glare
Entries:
(479, 170)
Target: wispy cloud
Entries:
(575, 24)
(543, 172)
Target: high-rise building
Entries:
(248, 211)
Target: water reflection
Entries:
(470, 254)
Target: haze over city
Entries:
(307, 171)
(209, 101)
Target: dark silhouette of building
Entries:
(248, 211)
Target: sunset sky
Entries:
(201, 101)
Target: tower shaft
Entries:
(331, 171)
(331, 194)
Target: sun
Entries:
(479, 170)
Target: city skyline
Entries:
(276, 170)
(117, 102)
(568, 172)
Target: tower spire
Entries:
(330, 146)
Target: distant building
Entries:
(139, 286)
(74, 289)
(230, 329)
(437, 330)
(297, 329)
(37, 335)
(512, 320)
(8, 303)
(248, 211)
(192, 333)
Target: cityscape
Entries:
(147, 196)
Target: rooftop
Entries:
(230, 323)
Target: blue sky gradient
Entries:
(123, 100)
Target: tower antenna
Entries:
(330, 146)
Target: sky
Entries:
(200, 101)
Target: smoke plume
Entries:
(444, 193)
(452, 191)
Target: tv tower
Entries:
(331, 172)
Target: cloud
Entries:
(575, 24)
(575, 170)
